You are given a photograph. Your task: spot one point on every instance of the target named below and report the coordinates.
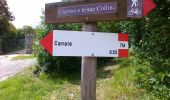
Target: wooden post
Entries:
(88, 71)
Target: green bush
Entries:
(155, 83)
(150, 40)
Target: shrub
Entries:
(155, 83)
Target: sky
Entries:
(27, 12)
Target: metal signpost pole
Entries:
(88, 71)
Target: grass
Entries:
(111, 85)
(122, 86)
(25, 87)
(23, 57)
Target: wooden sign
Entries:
(85, 11)
(89, 44)
(100, 10)
(88, 9)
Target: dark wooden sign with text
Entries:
(86, 11)
(99, 10)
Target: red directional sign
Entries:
(148, 5)
(77, 43)
(47, 42)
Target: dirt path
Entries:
(9, 67)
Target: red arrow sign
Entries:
(47, 42)
(148, 5)
(66, 43)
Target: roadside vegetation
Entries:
(24, 86)
(23, 57)
(112, 84)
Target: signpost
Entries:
(99, 10)
(91, 44)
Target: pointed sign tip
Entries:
(47, 42)
(148, 6)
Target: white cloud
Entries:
(27, 12)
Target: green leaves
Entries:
(150, 39)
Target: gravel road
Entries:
(9, 67)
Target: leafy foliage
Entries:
(150, 40)
(21, 32)
(8, 32)
(155, 83)
(5, 17)
(4, 11)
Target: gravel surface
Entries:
(9, 67)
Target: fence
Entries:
(8, 44)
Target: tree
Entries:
(28, 30)
(4, 11)
(21, 32)
(5, 17)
